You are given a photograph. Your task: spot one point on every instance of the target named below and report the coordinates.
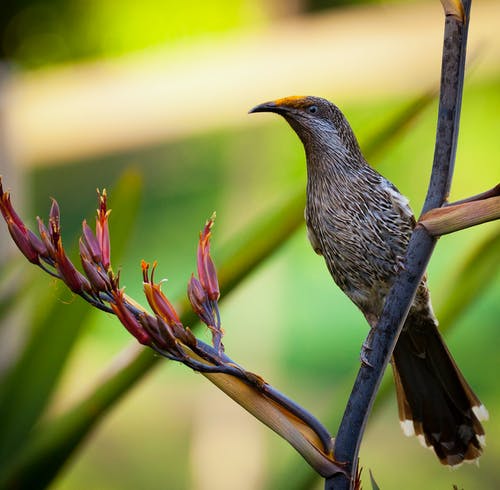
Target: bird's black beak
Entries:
(268, 107)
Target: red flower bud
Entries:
(91, 243)
(200, 302)
(197, 295)
(54, 223)
(102, 230)
(37, 244)
(95, 274)
(206, 267)
(21, 239)
(45, 236)
(129, 321)
(156, 299)
(55, 214)
(74, 279)
(7, 210)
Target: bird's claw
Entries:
(400, 263)
(365, 349)
(364, 360)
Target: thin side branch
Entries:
(479, 197)
(448, 219)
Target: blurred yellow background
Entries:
(91, 89)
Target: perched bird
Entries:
(361, 224)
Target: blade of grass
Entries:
(12, 287)
(398, 126)
(476, 272)
(29, 385)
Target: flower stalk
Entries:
(162, 330)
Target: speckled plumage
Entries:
(361, 224)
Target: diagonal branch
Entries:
(419, 251)
(163, 331)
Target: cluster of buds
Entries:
(99, 285)
(203, 292)
(162, 330)
(45, 250)
(95, 249)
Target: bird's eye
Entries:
(313, 109)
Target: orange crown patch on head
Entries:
(297, 101)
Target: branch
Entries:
(163, 331)
(448, 219)
(419, 251)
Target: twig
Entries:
(419, 250)
(441, 221)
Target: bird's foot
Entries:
(400, 263)
(365, 350)
(364, 360)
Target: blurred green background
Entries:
(64, 62)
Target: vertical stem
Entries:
(450, 103)
(419, 251)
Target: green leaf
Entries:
(398, 126)
(51, 444)
(28, 386)
(373, 482)
(12, 286)
(471, 279)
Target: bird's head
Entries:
(317, 122)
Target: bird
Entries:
(361, 224)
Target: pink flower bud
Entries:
(7, 209)
(206, 267)
(91, 242)
(102, 230)
(21, 239)
(28, 243)
(197, 295)
(96, 276)
(74, 279)
(128, 320)
(37, 244)
(55, 214)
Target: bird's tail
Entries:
(435, 402)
